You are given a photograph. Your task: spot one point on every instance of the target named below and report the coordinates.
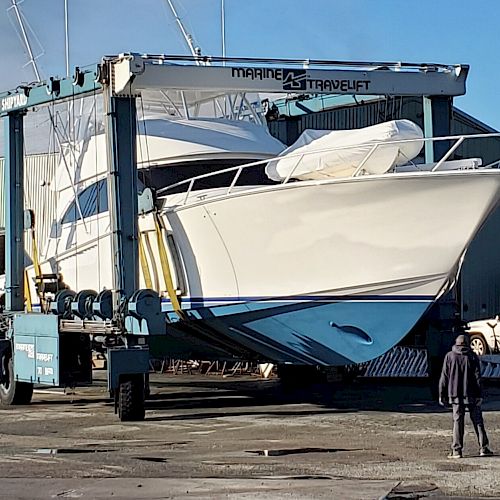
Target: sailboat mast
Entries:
(223, 28)
(66, 36)
(26, 40)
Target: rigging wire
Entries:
(76, 226)
(57, 223)
(93, 112)
(53, 118)
(148, 158)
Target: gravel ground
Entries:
(214, 437)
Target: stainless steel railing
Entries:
(458, 141)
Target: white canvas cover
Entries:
(323, 153)
(181, 140)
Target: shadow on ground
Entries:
(249, 397)
(211, 396)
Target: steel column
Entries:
(437, 123)
(122, 194)
(441, 124)
(14, 212)
(428, 131)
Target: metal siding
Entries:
(352, 116)
(480, 276)
(487, 149)
(38, 195)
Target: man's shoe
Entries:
(486, 452)
(455, 454)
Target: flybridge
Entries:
(130, 74)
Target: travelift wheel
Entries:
(131, 398)
(478, 345)
(12, 392)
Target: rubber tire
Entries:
(481, 339)
(131, 398)
(16, 393)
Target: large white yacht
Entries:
(329, 259)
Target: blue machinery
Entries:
(54, 349)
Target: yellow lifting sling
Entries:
(165, 267)
(144, 262)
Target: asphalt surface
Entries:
(243, 437)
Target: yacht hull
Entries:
(329, 272)
(314, 272)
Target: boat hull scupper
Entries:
(329, 272)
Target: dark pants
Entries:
(476, 416)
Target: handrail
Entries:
(239, 169)
(448, 154)
(287, 178)
(217, 172)
(235, 180)
(396, 65)
(365, 159)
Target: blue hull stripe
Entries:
(302, 298)
(308, 332)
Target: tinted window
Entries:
(162, 176)
(93, 200)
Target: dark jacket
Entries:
(460, 380)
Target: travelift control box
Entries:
(36, 349)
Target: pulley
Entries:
(102, 306)
(143, 303)
(81, 305)
(61, 305)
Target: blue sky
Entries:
(445, 31)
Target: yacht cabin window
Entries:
(93, 200)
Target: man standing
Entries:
(460, 385)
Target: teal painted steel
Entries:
(14, 207)
(36, 349)
(66, 88)
(24, 358)
(122, 193)
(123, 361)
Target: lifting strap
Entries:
(165, 267)
(27, 292)
(144, 262)
(38, 270)
(38, 276)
